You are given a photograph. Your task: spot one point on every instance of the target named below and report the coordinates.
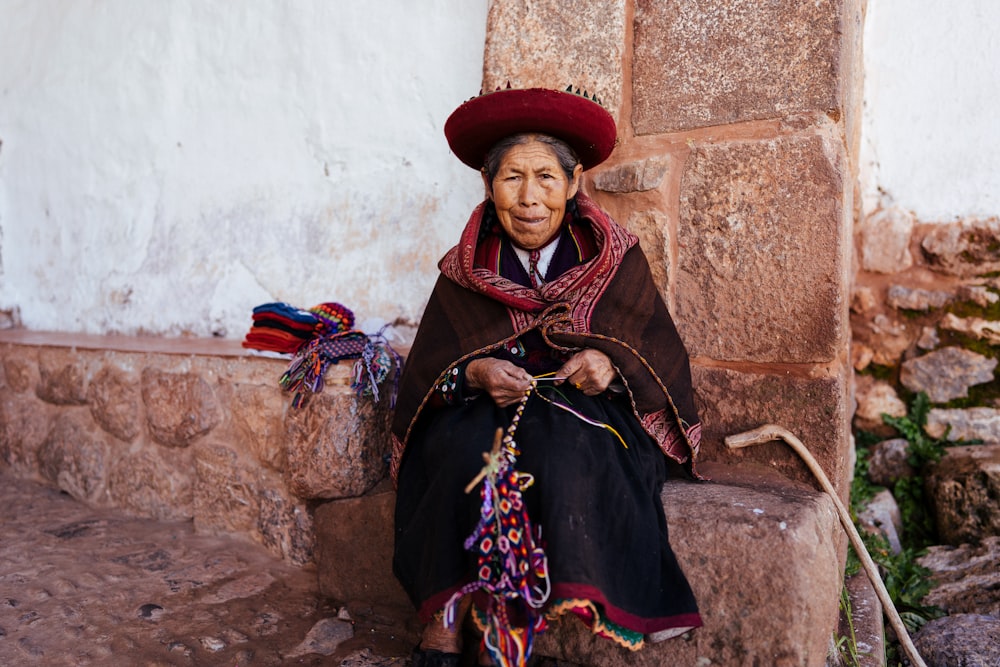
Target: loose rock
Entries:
(908, 298)
(876, 398)
(888, 462)
(961, 640)
(966, 578)
(885, 241)
(882, 516)
(947, 374)
(973, 326)
(324, 638)
(963, 487)
(966, 248)
(213, 644)
(968, 424)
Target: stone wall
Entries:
(185, 430)
(926, 318)
(735, 166)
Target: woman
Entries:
(546, 306)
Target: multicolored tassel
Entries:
(320, 337)
(512, 566)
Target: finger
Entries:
(567, 371)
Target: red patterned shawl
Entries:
(609, 303)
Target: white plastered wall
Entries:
(166, 166)
(932, 89)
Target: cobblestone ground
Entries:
(80, 586)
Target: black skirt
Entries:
(597, 502)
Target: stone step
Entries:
(764, 556)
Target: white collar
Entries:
(544, 256)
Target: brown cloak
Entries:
(609, 303)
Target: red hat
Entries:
(473, 128)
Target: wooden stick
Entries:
(491, 459)
(771, 432)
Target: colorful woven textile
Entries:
(512, 567)
(320, 337)
(279, 327)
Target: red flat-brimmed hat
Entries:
(474, 128)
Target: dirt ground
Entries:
(80, 586)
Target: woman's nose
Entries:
(529, 192)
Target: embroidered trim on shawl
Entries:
(588, 612)
(582, 286)
(397, 456)
(667, 435)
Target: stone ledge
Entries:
(763, 554)
(216, 347)
(186, 429)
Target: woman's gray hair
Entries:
(566, 155)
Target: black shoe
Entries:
(430, 657)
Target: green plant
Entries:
(923, 448)
(914, 506)
(905, 579)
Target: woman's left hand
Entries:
(590, 371)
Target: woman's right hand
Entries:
(502, 380)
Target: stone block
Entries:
(21, 374)
(557, 44)
(24, 424)
(180, 407)
(638, 176)
(62, 378)
(286, 526)
(730, 61)
(768, 588)
(257, 415)
(815, 410)
(75, 457)
(115, 403)
(763, 556)
(226, 491)
(865, 621)
(354, 541)
(763, 252)
(337, 445)
(652, 228)
(153, 483)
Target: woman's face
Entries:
(530, 191)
